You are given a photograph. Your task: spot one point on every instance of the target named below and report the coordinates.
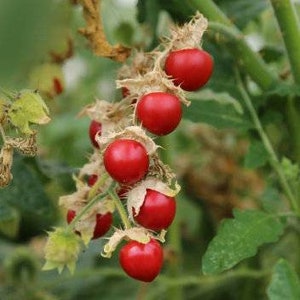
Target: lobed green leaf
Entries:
(239, 238)
(256, 156)
(285, 283)
(217, 109)
(27, 200)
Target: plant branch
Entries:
(90, 204)
(288, 22)
(252, 63)
(174, 266)
(293, 119)
(274, 161)
(205, 284)
(120, 208)
(94, 32)
(86, 209)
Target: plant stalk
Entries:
(274, 161)
(120, 208)
(288, 22)
(174, 237)
(293, 118)
(86, 209)
(252, 63)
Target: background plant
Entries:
(244, 168)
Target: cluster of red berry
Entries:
(127, 160)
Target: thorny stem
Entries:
(94, 190)
(274, 161)
(86, 209)
(91, 203)
(120, 208)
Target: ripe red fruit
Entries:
(92, 179)
(141, 261)
(95, 127)
(125, 92)
(159, 112)
(122, 191)
(103, 223)
(126, 161)
(157, 212)
(58, 87)
(190, 68)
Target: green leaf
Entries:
(256, 156)
(285, 283)
(284, 89)
(29, 107)
(27, 196)
(290, 170)
(239, 238)
(271, 200)
(221, 98)
(9, 220)
(217, 109)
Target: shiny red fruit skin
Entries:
(122, 191)
(159, 112)
(92, 179)
(141, 261)
(126, 161)
(157, 212)
(125, 92)
(103, 223)
(190, 68)
(57, 86)
(94, 128)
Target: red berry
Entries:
(157, 212)
(92, 179)
(122, 191)
(103, 223)
(190, 68)
(95, 127)
(141, 261)
(126, 161)
(125, 92)
(58, 87)
(159, 112)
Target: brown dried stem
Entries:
(94, 32)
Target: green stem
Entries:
(211, 11)
(120, 208)
(86, 209)
(274, 161)
(93, 198)
(288, 22)
(293, 118)
(252, 63)
(174, 236)
(206, 284)
(94, 189)
(214, 279)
